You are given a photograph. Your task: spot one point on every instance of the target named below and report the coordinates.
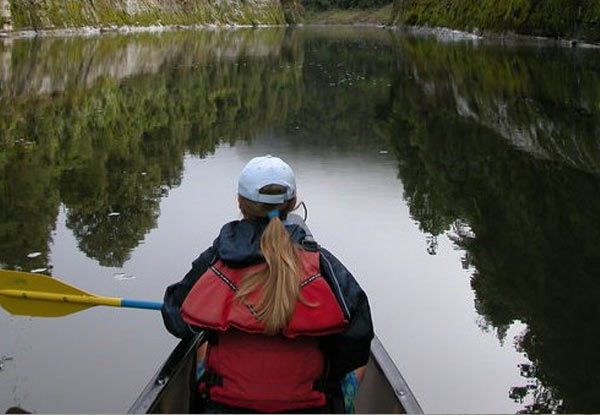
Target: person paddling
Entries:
(287, 321)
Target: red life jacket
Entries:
(256, 371)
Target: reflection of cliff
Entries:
(116, 146)
(45, 66)
(543, 101)
(534, 227)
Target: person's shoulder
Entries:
(327, 255)
(205, 259)
(331, 266)
(232, 224)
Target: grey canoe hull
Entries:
(383, 389)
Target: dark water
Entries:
(459, 181)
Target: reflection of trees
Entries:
(347, 77)
(534, 227)
(118, 146)
(542, 100)
(28, 206)
(108, 119)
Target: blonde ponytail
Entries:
(279, 279)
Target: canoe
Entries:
(382, 391)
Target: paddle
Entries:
(26, 294)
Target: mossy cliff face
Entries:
(56, 14)
(5, 21)
(578, 19)
(293, 11)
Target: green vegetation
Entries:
(344, 4)
(50, 14)
(553, 18)
(293, 11)
(574, 19)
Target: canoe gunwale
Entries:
(391, 372)
(150, 397)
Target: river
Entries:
(458, 179)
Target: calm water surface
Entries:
(460, 182)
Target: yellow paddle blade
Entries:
(37, 295)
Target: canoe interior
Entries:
(383, 390)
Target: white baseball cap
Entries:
(262, 171)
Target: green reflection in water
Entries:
(501, 142)
(346, 81)
(527, 219)
(105, 146)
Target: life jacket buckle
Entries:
(309, 244)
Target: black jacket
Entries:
(238, 246)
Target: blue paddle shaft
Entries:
(148, 305)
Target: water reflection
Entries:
(82, 136)
(497, 148)
(506, 143)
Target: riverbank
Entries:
(94, 31)
(388, 16)
(22, 16)
(558, 19)
(369, 16)
(506, 22)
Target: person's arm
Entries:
(349, 350)
(176, 293)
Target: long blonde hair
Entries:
(279, 278)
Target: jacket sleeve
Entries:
(176, 293)
(350, 349)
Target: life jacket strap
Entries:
(309, 244)
(211, 378)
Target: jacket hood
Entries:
(238, 243)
